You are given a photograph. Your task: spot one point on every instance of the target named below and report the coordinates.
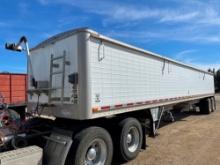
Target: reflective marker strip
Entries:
(119, 105)
(105, 108)
(148, 102)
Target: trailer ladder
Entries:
(53, 73)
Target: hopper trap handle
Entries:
(13, 47)
(17, 47)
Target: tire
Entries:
(213, 104)
(205, 106)
(88, 141)
(129, 139)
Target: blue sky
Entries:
(187, 30)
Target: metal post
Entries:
(63, 76)
(161, 114)
(51, 79)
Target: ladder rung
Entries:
(57, 88)
(55, 65)
(58, 72)
(57, 58)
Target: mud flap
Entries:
(57, 147)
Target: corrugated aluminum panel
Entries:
(121, 76)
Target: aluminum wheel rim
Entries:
(133, 139)
(96, 153)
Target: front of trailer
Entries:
(60, 77)
(59, 102)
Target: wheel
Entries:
(205, 106)
(91, 146)
(129, 138)
(213, 104)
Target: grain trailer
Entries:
(105, 95)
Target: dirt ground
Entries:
(193, 139)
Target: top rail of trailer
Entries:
(97, 35)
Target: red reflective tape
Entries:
(105, 108)
(119, 105)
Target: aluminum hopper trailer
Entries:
(105, 95)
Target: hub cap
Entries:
(133, 139)
(91, 154)
(96, 153)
